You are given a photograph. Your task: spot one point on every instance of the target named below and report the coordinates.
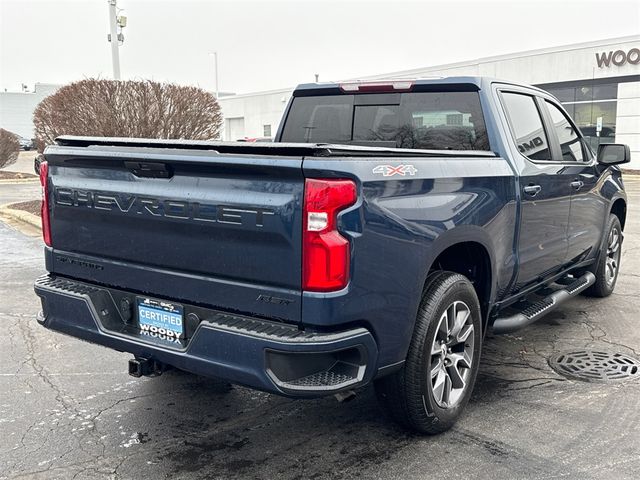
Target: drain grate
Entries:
(593, 365)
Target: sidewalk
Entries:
(24, 164)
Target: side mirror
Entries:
(613, 153)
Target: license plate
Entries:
(160, 319)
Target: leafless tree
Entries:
(9, 148)
(138, 109)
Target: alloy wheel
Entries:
(452, 355)
(613, 255)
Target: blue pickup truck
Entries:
(384, 232)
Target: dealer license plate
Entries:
(160, 319)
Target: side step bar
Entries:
(539, 309)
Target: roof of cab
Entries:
(478, 81)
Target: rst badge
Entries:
(390, 170)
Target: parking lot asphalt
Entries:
(68, 409)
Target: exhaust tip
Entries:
(347, 396)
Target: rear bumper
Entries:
(266, 355)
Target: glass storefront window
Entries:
(588, 93)
(586, 117)
(584, 92)
(583, 101)
(563, 94)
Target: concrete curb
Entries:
(21, 216)
(17, 181)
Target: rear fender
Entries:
(465, 234)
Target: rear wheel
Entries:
(608, 266)
(430, 391)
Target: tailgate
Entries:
(187, 225)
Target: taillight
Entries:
(325, 253)
(378, 87)
(44, 206)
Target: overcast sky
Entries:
(268, 45)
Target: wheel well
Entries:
(472, 260)
(619, 209)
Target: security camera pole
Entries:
(113, 38)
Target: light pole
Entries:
(215, 64)
(113, 38)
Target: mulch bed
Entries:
(32, 206)
(15, 175)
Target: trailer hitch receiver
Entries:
(146, 367)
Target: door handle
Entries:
(532, 190)
(577, 184)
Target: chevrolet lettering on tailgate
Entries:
(132, 204)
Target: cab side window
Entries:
(526, 125)
(570, 142)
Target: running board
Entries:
(539, 309)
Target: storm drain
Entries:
(591, 365)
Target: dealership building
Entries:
(597, 82)
(16, 108)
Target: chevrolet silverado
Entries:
(384, 232)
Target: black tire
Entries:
(408, 394)
(605, 283)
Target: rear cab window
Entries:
(448, 120)
(526, 125)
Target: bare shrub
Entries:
(138, 109)
(9, 148)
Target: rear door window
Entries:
(424, 120)
(526, 125)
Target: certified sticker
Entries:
(160, 319)
(390, 170)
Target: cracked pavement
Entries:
(68, 409)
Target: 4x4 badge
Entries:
(390, 170)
